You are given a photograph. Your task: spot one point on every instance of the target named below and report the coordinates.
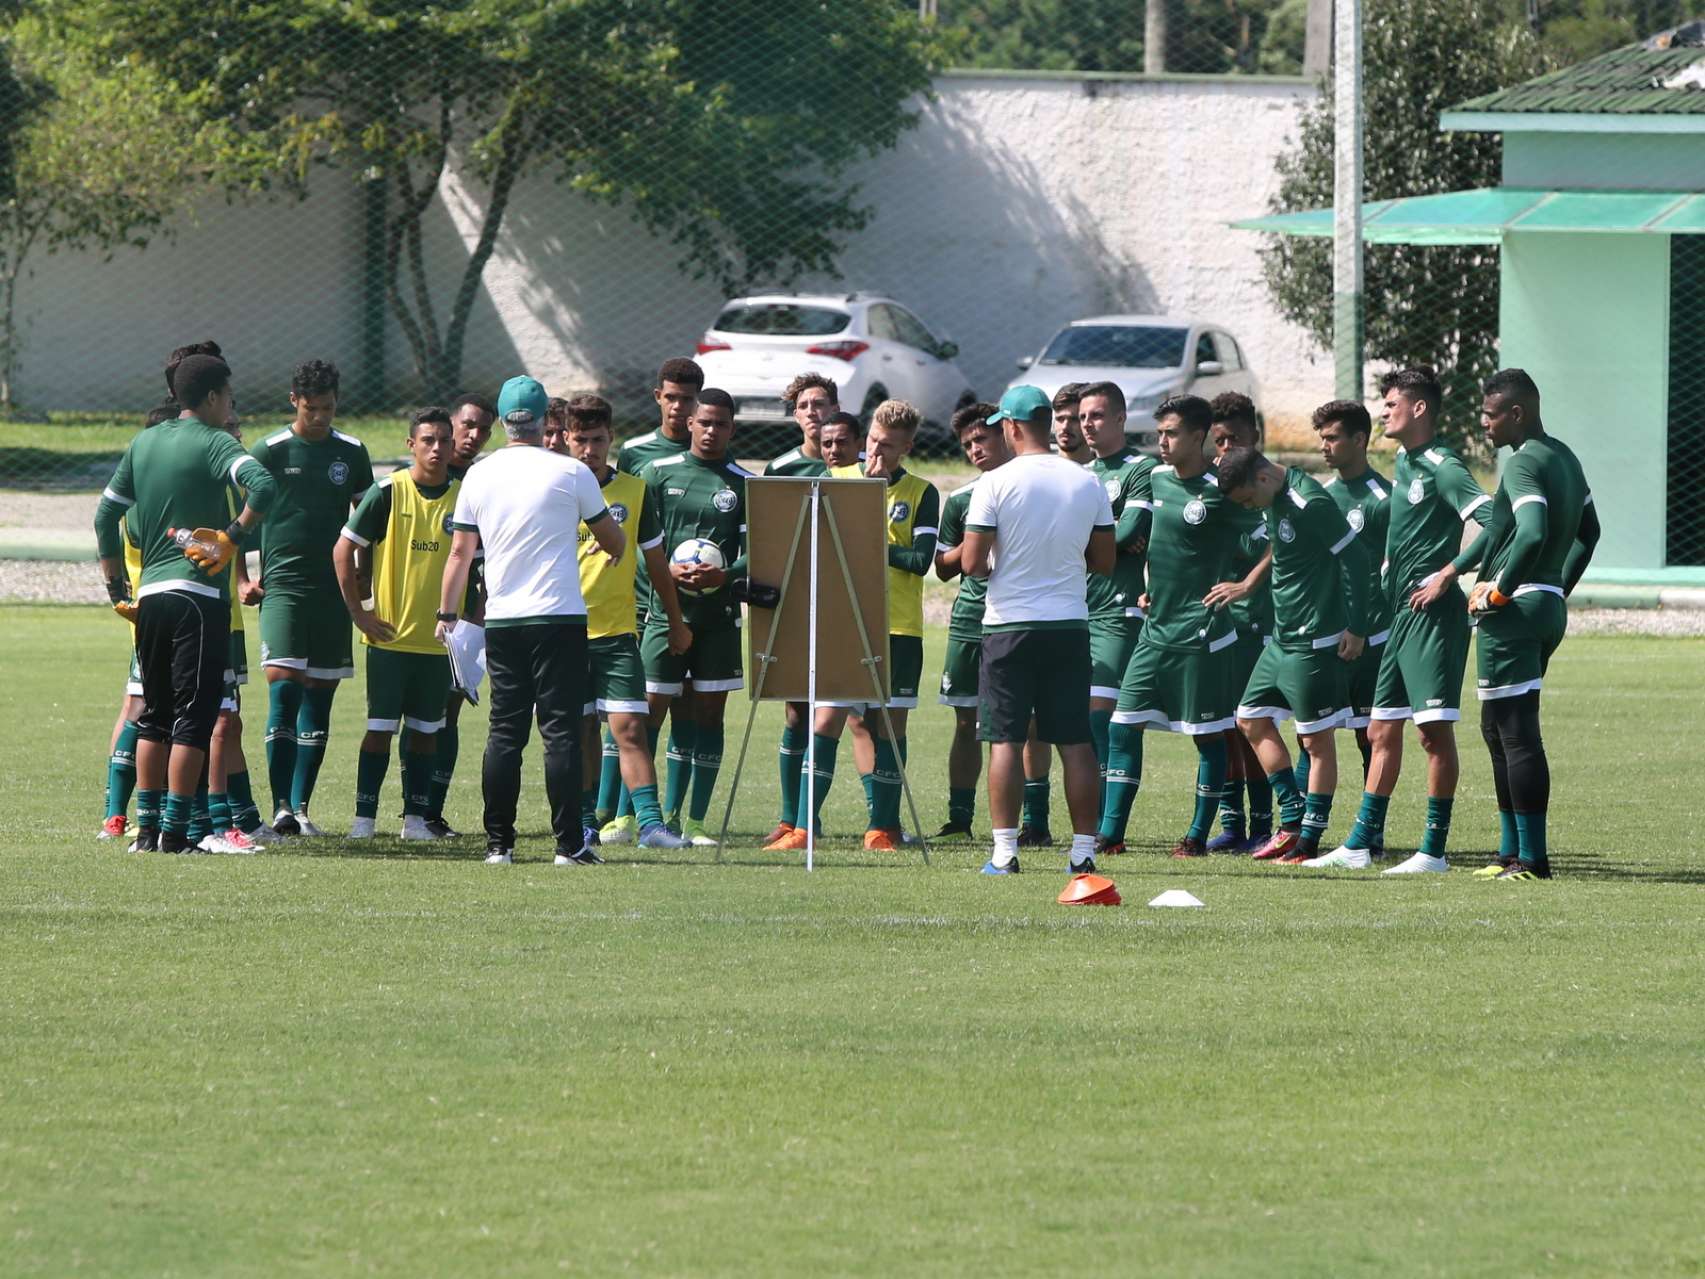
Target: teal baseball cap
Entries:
(1021, 403)
(522, 399)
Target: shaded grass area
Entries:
(321, 1061)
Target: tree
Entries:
(1426, 304)
(723, 125)
(91, 156)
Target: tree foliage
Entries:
(1435, 305)
(723, 125)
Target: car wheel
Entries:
(874, 396)
(967, 397)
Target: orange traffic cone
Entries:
(1089, 890)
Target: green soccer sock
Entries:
(625, 805)
(707, 763)
(1232, 820)
(609, 779)
(961, 805)
(1299, 775)
(148, 806)
(313, 727)
(1285, 791)
(823, 774)
(790, 756)
(200, 823)
(1210, 784)
(443, 769)
(219, 811)
(175, 819)
(284, 704)
(646, 810)
(869, 783)
(1509, 836)
(1369, 830)
(680, 761)
(1260, 792)
(244, 815)
(1035, 813)
(885, 787)
(589, 808)
(1124, 776)
(370, 769)
(1437, 834)
(121, 770)
(1530, 832)
(417, 782)
(1317, 812)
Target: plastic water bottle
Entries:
(185, 538)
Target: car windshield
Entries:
(781, 319)
(1122, 345)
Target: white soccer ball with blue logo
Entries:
(697, 550)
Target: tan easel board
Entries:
(860, 511)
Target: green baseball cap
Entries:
(522, 399)
(1020, 403)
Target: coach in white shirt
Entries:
(1032, 528)
(525, 506)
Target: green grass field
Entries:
(333, 1061)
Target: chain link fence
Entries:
(917, 199)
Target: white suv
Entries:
(873, 349)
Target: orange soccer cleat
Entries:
(792, 842)
(880, 841)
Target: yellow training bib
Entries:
(408, 564)
(609, 588)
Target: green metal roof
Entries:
(1482, 216)
(1626, 81)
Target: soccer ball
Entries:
(696, 550)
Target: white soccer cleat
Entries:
(499, 857)
(211, 843)
(1345, 858)
(236, 842)
(622, 830)
(364, 828)
(309, 830)
(415, 828)
(1420, 864)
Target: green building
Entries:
(1601, 221)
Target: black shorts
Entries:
(182, 642)
(1041, 673)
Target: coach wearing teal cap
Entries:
(1033, 528)
(525, 506)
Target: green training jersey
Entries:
(794, 462)
(633, 456)
(696, 498)
(1125, 476)
(966, 620)
(1366, 504)
(1432, 494)
(1252, 615)
(176, 475)
(1195, 533)
(1543, 472)
(1320, 571)
(319, 481)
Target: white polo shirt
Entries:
(527, 504)
(1041, 509)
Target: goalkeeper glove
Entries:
(755, 593)
(118, 591)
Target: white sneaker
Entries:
(362, 828)
(415, 827)
(309, 830)
(1420, 864)
(499, 857)
(1345, 858)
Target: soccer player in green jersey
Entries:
(1069, 438)
(1364, 495)
(1320, 586)
(1179, 676)
(1433, 496)
(1541, 539)
(1115, 616)
(471, 418)
(305, 644)
(174, 477)
(985, 448)
(700, 493)
(814, 399)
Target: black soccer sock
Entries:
(1516, 720)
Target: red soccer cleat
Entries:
(1283, 844)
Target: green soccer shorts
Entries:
(308, 632)
(133, 681)
(1516, 643)
(617, 676)
(1307, 685)
(959, 672)
(237, 664)
(713, 663)
(1181, 690)
(1420, 672)
(409, 689)
(1111, 643)
(1363, 680)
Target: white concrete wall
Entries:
(1017, 204)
